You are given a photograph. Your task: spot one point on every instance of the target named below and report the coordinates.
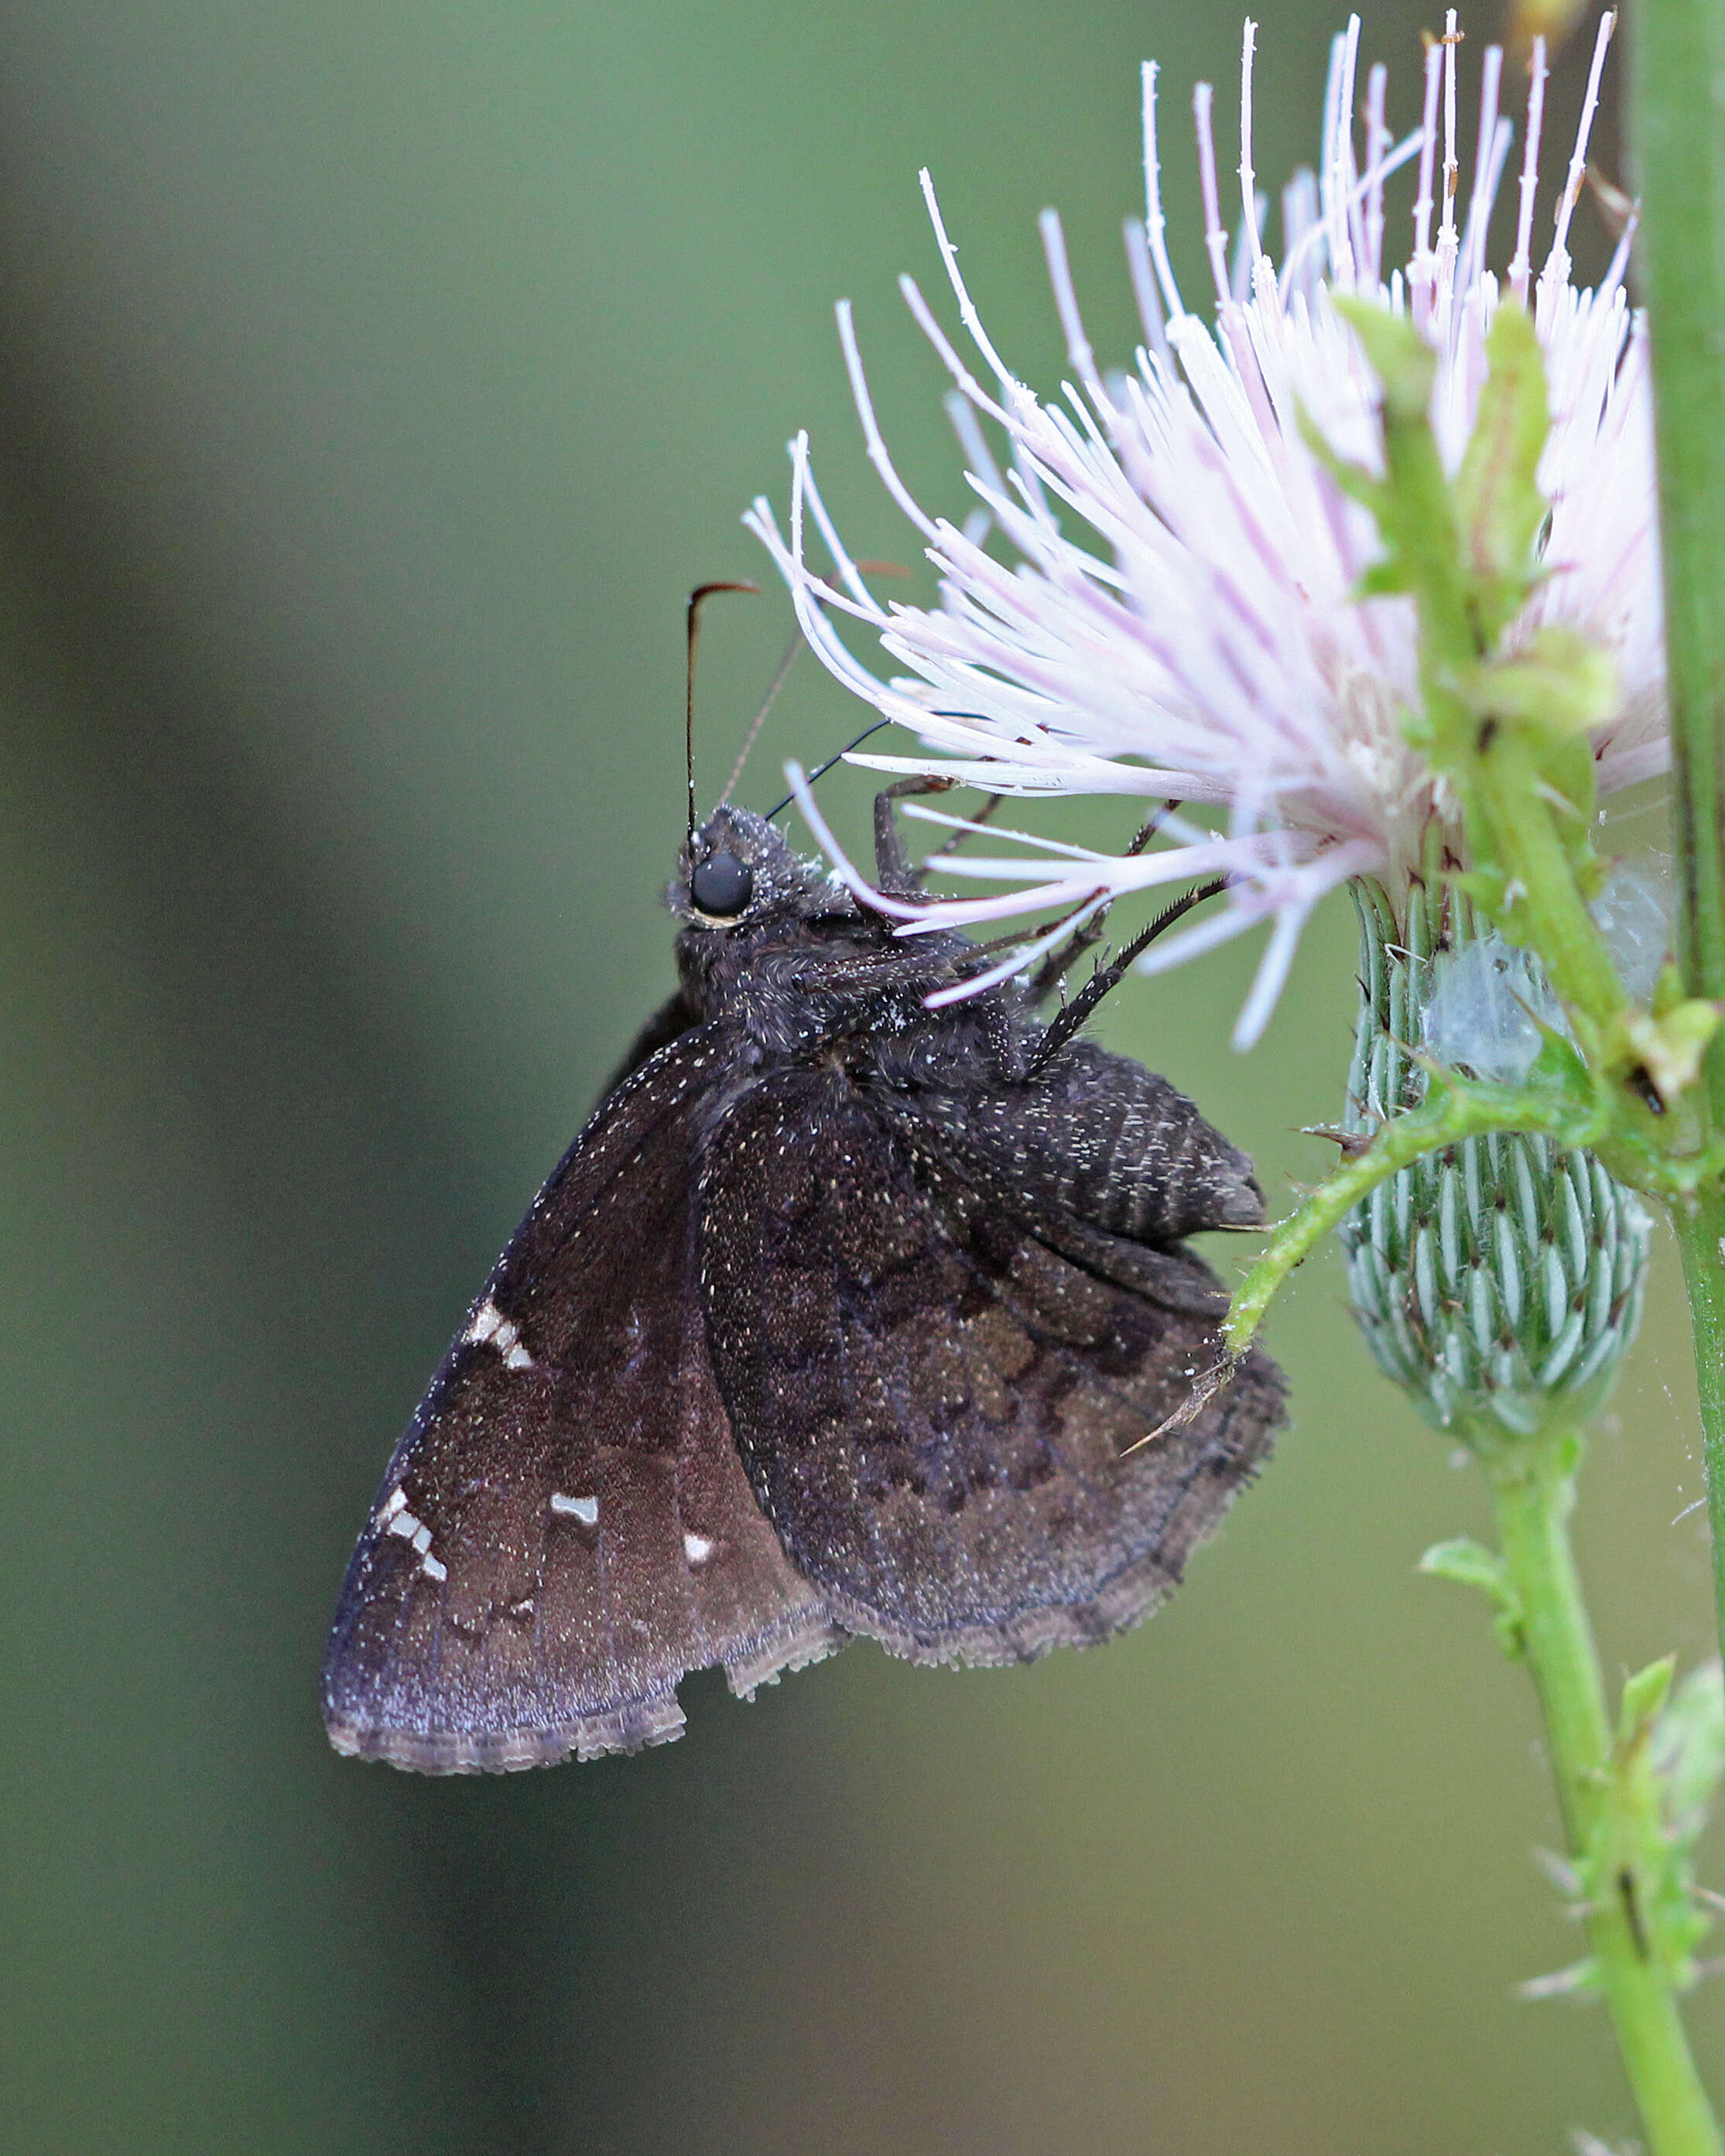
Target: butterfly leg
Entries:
(906, 878)
(1107, 977)
(893, 872)
(1088, 934)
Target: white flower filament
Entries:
(1202, 640)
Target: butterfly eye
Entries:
(722, 885)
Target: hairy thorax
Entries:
(803, 990)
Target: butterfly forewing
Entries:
(566, 1529)
(936, 1406)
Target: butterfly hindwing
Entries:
(935, 1404)
(566, 1529)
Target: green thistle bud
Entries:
(1497, 1282)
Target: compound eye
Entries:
(722, 885)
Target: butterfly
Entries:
(844, 1317)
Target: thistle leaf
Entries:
(1403, 363)
(1497, 496)
(1559, 681)
(1670, 1047)
(1688, 1751)
(1471, 1564)
(1644, 1697)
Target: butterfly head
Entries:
(736, 870)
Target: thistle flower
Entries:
(1180, 619)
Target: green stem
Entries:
(1604, 1797)
(1700, 1224)
(1677, 108)
(1678, 104)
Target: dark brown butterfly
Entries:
(842, 1317)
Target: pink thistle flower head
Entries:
(1178, 617)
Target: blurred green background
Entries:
(374, 382)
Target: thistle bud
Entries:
(1499, 1282)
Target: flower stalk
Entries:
(1677, 70)
(1678, 140)
(1607, 1788)
(1699, 1221)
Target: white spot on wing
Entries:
(697, 1549)
(488, 1324)
(584, 1509)
(397, 1520)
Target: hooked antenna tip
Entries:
(700, 592)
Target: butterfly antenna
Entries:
(700, 592)
(838, 756)
(866, 568)
(749, 739)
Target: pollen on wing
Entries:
(489, 1325)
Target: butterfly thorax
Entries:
(799, 966)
